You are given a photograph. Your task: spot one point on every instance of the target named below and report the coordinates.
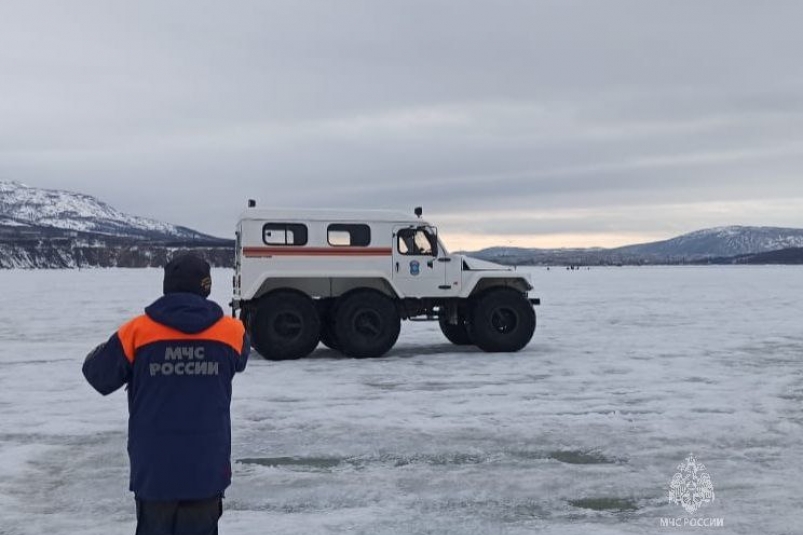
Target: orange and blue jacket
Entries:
(178, 360)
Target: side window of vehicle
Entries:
(284, 234)
(414, 242)
(345, 235)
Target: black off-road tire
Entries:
(367, 324)
(502, 320)
(458, 333)
(285, 326)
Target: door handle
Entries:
(444, 259)
(397, 267)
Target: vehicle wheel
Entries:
(502, 320)
(456, 333)
(367, 324)
(286, 326)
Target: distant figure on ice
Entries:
(178, 360)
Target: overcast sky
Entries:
(537, 123)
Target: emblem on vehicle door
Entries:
(415, 267)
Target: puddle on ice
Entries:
(299, 463)
(616, 505)
(580, 457)
(328, 464)
(319, 464)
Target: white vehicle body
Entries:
(326, 255)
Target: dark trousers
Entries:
(189, 517)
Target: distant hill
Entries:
(793, 255)
(23, 205)
(721, 241)
(716, 243)
(41, 228)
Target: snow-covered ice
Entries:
(630, 370)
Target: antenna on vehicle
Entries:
(251, 203)
(419, 211)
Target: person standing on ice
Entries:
(178, 360)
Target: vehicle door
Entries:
(416, 270)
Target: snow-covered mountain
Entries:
(722, 242)
(22, 205)
(736, 242)
(42, 228)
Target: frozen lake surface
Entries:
(630, 371)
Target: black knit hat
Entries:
(188, 273)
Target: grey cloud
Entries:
(622, 110)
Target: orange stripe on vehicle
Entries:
(142, 331)
(316, 251)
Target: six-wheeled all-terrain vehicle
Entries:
(347, 279)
